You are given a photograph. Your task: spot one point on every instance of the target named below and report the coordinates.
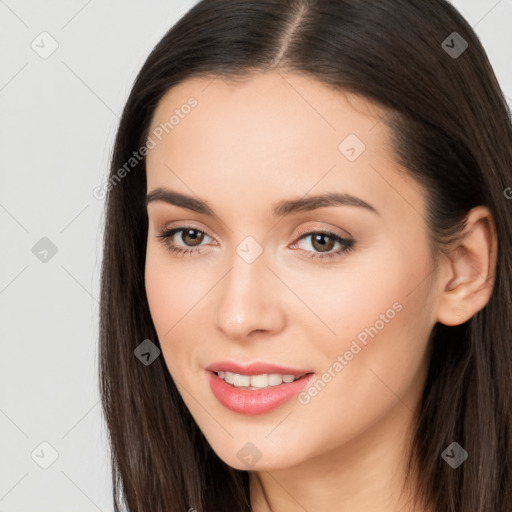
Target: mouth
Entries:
(259, 381)
(257, 393)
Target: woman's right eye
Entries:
(189, 234)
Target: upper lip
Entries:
(255, 368)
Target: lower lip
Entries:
(257, 401)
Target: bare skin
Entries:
(244, 147)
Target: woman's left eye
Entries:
(323, 241)
(320, 241)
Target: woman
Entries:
(305, 285)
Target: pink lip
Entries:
(254, 368)
(256, 401)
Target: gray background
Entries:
(59, 115)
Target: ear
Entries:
(469, 270)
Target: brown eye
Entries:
(183, 240)
(192, 237)
(322, 242)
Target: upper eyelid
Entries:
(177, 229)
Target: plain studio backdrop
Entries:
(65, 74)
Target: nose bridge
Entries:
(247, 298)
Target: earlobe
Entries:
(470, 269)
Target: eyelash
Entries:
(347, 245)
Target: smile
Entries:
(271, 390)
(263, 380)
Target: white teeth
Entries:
(241, 380)
(256, 381)
(259, 381)
(274, 379)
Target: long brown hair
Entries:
(452, 132)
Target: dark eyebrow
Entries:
(279, 209)
(303, 204)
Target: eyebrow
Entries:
(279, 209)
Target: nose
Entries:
(250, 300)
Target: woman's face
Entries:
(343, 289)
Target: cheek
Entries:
(176, 290)
(173, 286)
(387, 310)
(382, 319)
(382, 288)
(163, 290)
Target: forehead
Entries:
(266, 102)
(271, 130)
(259, 121)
